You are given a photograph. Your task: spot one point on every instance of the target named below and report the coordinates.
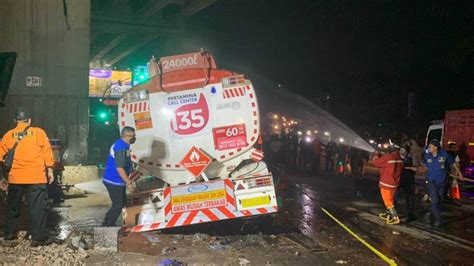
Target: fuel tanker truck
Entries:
(198, 151)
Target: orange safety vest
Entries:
(32, 155)
(391, 166)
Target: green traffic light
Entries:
(102, 115)
(141, 77)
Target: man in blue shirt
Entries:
(437, 161)
(116, 176)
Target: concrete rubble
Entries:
(23, 254)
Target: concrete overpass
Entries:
(57, 40)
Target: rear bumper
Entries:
(183, 205)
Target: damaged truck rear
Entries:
(198, 150)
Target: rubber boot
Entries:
(393, 217)
(384, 215)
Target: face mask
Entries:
(132, 140)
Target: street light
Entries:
(328, 134)
(275, 116)
(341, 140)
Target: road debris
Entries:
(168, 250)
(243, 261)
(172, 263)
(217, 246)
(152, 238)
(54, 254)
(105, 238)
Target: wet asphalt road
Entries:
(355, 202)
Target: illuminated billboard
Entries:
(118, 81)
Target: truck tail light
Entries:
(135, 96)
(233, 81)
(260, 182)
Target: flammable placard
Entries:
(195, 161)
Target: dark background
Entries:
(365, 55)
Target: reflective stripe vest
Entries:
(391, 166)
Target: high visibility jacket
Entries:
(32, 155)
(391, 166)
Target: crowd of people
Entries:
(398, 168)
(293, 153)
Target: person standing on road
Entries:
(330, 152)
(391, 165)
(316, 155)
(436, 160)
(30, 172)
(407, 182)
(342, 159)
(116, 176)
(357, 162)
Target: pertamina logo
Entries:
(195, 161)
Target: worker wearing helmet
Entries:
(116, 175)
(391, 165)
(32, 155)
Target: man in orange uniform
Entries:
(391, 166)
(33, 155)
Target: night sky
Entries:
(366, 55)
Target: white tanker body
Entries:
(197, 147)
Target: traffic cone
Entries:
(455, 192)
